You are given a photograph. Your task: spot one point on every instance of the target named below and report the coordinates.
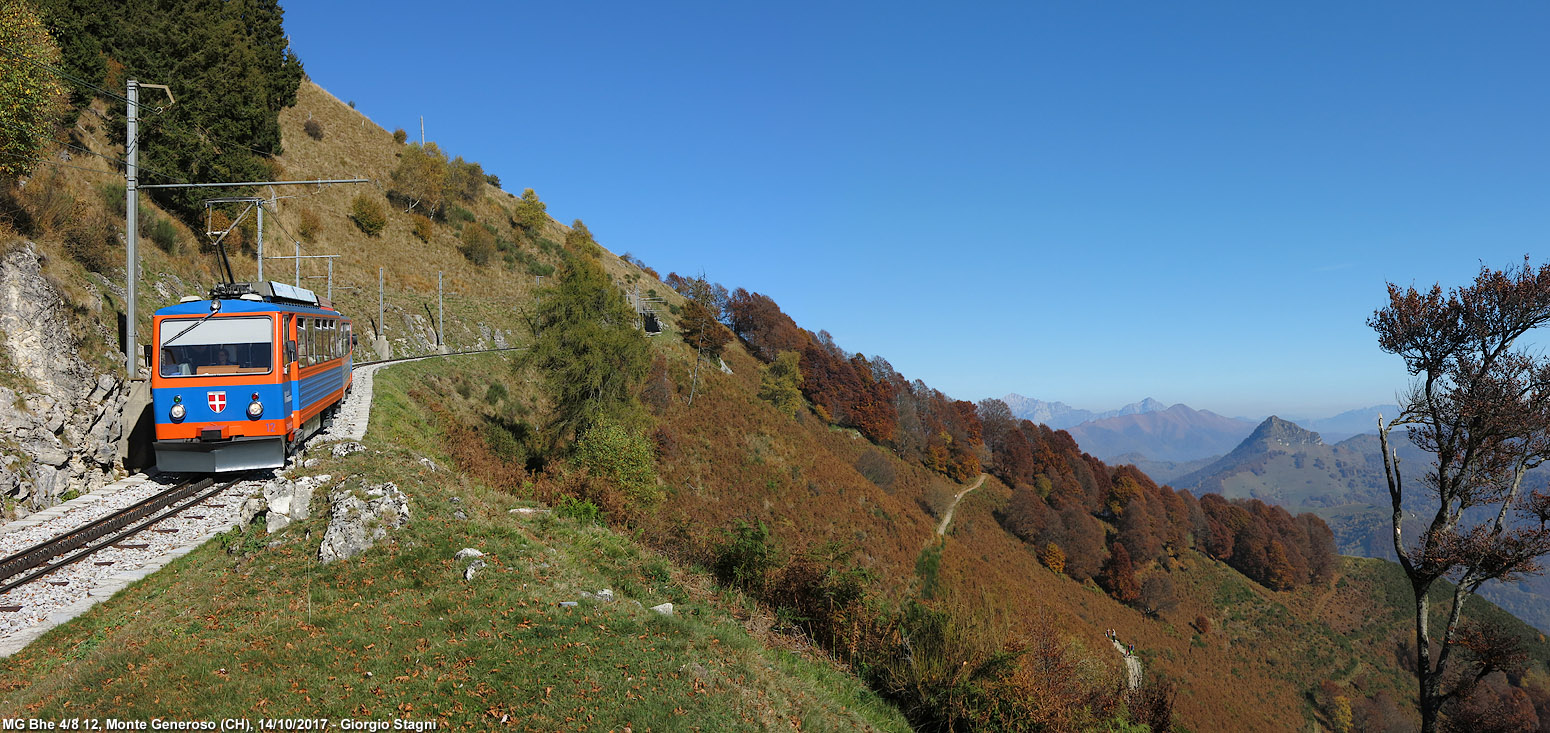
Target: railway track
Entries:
(39, 560)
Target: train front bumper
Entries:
(236, 454)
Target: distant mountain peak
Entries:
(1275, 431)
(1061, 416)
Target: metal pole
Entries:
(298, 264)
(381, 327)
(261, 242)
(330, 278)
(131, 226)
(440, 318)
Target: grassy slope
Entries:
(397, 632)
(1256, 669)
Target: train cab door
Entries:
(291, 371)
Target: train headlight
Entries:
(255, 408)
(178, 412)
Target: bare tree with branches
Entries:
(1481, 406)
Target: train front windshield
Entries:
(216, 346)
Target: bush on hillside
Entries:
(313, 128)
(399, 136)
(747, 554)
(458, 216)
(876, 468)
(160, 230)
(113, 198)
(368, 214)
(420, 224)
(309, 225)
(582, 511)
(92, 240)
(781, 383)
(1202, 624)
(492, 179)
(610, 451)
(464, 180)
(1053, 557)
(531, 213)
(478, 245)
(420, 178)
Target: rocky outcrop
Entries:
(59, 421)
(361, 517)
(287, 501)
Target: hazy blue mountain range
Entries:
(1179, 433)
(1060, 415)
(1362, 420)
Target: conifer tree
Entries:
(588, 351)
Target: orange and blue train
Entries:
(240, 379)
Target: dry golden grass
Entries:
(477, 299)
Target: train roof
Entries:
(267, 297)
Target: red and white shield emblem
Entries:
(217, 401)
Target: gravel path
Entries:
(1132, 666)
(941, 529)
(355, 413)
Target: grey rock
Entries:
(290, 501)
(666, 609)
(473, 567)
(251, 508)
(105, 385)
(603, 596)
(47, 451)
(428, 463)
(359, 519)
(569, 604)
(459, 514)
(466, 553)
(46, 485)
(349, 447)
(54, 420)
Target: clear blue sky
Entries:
(1078, 201)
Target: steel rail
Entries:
(113, 526)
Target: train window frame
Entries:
(202, 322)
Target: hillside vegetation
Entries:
(783, 492)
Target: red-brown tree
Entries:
(1481, 405)
(1119, 577)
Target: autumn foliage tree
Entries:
(32, 100)
(420, 178)
(1481, 405)
(1119, 576)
